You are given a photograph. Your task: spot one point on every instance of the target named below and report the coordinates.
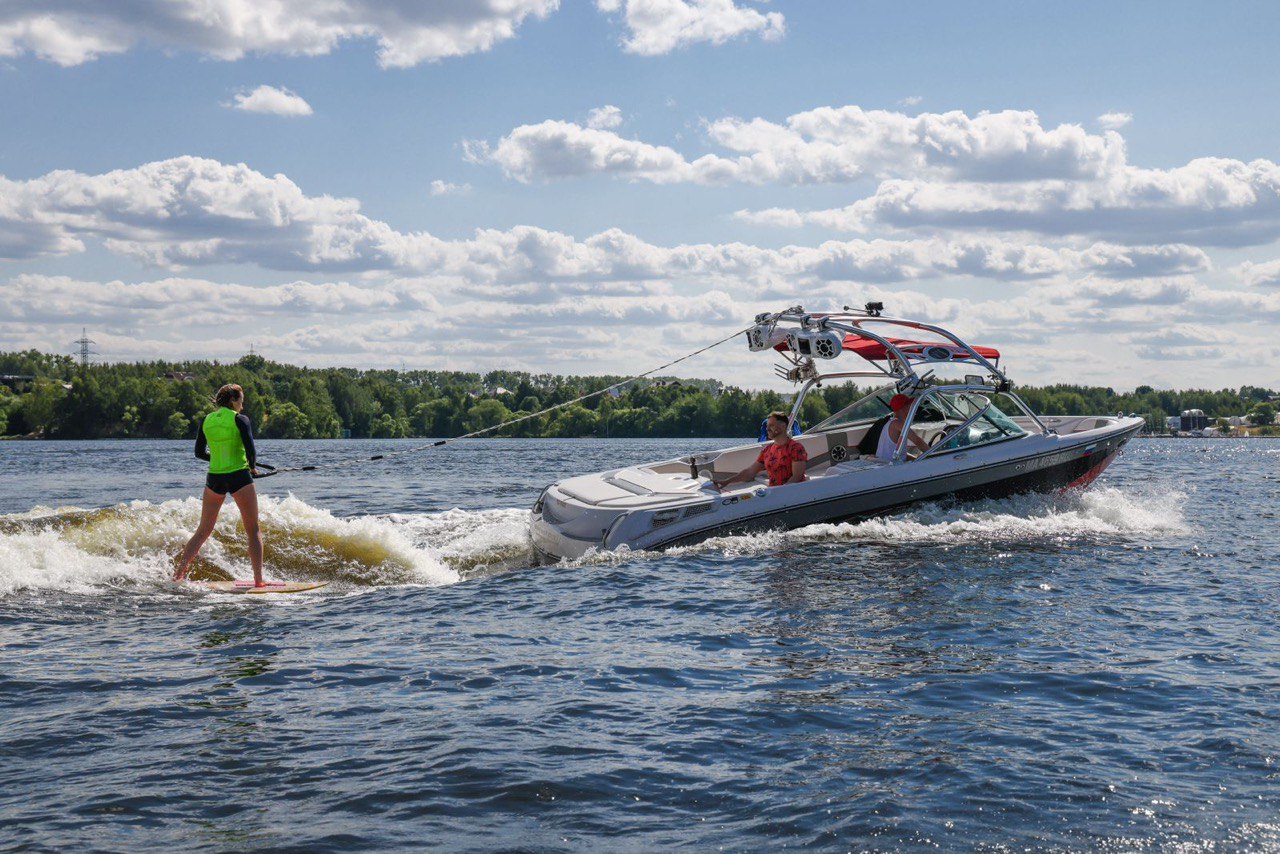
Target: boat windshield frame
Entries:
(948, 442)
(941, 399)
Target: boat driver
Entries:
(784, 458)
(892, 432)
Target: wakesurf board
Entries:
(269, 587)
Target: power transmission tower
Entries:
(84, 343)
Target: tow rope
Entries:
(272, 471)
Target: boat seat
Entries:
(631, 487)
(593, 490)
(640, 481)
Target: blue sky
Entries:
(590, 187)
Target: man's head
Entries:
(900, 403)
(777, 425)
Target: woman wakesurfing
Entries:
(225, 440)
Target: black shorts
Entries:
(225, 484)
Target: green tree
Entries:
(689, 415)
(130, 419)
(630, 423)
(573, 421)
(287, 421)
(1262, 414)
(388, 427)
(486, 413)
(177, 427)
(40, 407)
(813, 410)
(736, 414)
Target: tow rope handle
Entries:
(272, 470)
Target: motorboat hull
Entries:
(1024, 465)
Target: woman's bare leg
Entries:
(209, 509)
(247, 500)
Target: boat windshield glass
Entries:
(992, 425)
(861, 411)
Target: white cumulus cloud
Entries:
(269, 99)
(1260, 275)
(446, 188)
(1114, 121)
(557, 149)
(658, 27)
(407, 32)
(191, 211)
(1148, 323)
(826, 145)
(603, 118)
(995, 171)
(1210, 201)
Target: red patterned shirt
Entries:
(778, 459)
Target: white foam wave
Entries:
(1101, 513)
(88, 551)
(1104, 512)
(380, 551)
(44, 560)
(473, 541)
(133, 544)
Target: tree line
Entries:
(52, 396)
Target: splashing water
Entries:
(473, 542)
(1108, 513)
(133, 545)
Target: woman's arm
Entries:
(202, 444)
(246, 436)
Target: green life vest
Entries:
(226, 449)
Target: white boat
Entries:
(983, 442)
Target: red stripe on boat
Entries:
(1088, 477)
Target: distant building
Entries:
(179, 376)
(15, 380)
(1192, 419)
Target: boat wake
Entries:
(1026, 520)
(131, 546)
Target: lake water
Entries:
(1096, 671)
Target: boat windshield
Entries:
(992, 425)
(872, 408)
(861, 411)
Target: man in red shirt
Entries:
(784, 458)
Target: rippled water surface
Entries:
(1096, 671)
